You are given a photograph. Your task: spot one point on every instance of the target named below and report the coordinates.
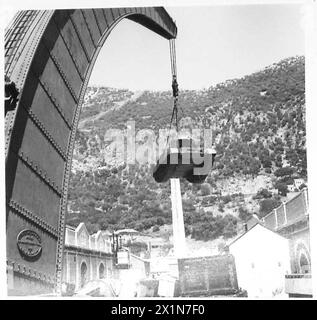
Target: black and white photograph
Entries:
(159, 150)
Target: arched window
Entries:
(303, 259)
(83, 274)
(101, 271)
(304, 264)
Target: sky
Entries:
(214, 44)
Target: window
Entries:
(83, 274)
(304, 264)
(302, 259)
(101, 271)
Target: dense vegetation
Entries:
(259, 129)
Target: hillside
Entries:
(259, 130)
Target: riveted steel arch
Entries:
(49, 56)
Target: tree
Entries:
(229, 230)
(282, 189)
(263, 193)
(226, 199)
(244, 214)
(267, 205)
(205, 189)
(285, 171)
(221, 207)
(266, 162)
(230, 226)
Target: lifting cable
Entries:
(175, 90)
(173, 57)
(174, 83)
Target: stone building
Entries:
(86, 257)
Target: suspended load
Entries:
(190, 163)
(182, 158)
(200, 169)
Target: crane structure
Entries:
(49, 57)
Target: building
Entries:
(298, 182)
(291, 188)
(86, 257)
(262, 260)
(281, 238)
(291, 220)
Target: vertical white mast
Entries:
(178, 219)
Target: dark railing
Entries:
(298, 276)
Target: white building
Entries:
(262, 260)
(298, 182)
(291, 188)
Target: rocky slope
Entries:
(259, 130)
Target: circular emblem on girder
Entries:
(29, 244)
